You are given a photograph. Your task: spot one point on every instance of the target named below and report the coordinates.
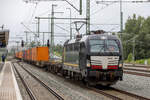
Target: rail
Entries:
(32, 97)
(130, 94)
(43, 84)
(105, 94)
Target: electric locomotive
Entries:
(97, 58)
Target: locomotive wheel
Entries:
(64, 73)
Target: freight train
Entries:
(94, 59)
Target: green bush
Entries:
(130, 57)
(148, 61)
(142, 61)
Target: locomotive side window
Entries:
(82, 48)
(76, 47)
(68, 48)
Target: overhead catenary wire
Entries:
(32, 16)
(62, 28)
(92, 14)
(60, 6)
(44, 13)
(62, 23)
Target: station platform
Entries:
(9, 89)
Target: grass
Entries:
(141, 61)
(149, 61)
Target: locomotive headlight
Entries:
(120, 65)
(88, 63)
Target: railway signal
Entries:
(22, 43)
(48, 43)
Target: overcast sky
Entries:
(13, 12)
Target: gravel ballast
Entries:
(64, 87)
(139, 85)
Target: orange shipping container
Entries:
(28, 54)
(40, 54)
(25, 54)
(33, 54)
(20, 55)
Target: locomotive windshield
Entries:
(97, 46)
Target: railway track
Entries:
(138, 66)
(136, 73)
(140, 70)
(94, 90)
(117, 94)
(29, 91)
(112, 93)
(130, 94)
(104, 93)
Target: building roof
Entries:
(5, 30)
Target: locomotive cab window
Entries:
(97, 45)
(112, 46)
(103, 45)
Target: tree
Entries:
(58, 49)
(137, 28)
(32, 44)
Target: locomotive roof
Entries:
(100, 36)
(93, 36)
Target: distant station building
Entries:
(4, 37)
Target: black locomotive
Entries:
(96, 58)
